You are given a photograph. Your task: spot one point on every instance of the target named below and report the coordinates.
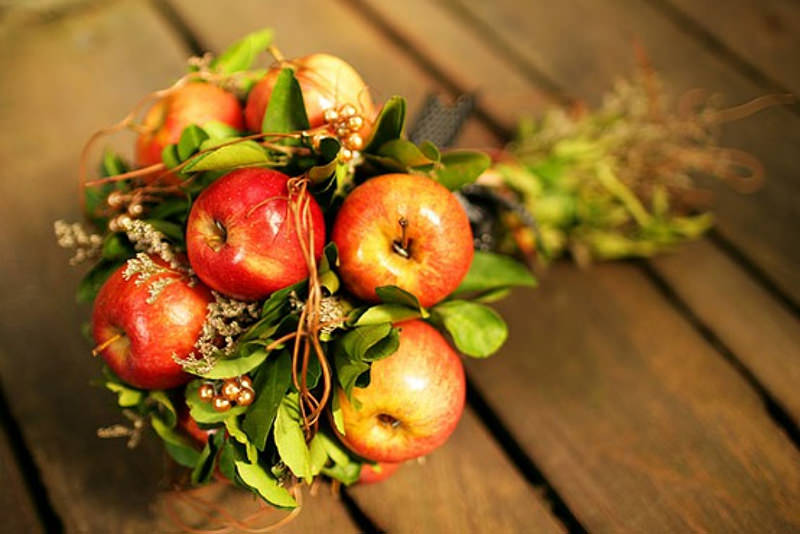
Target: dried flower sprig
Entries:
(74, 236)
(146, 238)
(226, 319)
(133, 433)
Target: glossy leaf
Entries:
(254, 476)
(242, 54)
(235, 431)
(404, 152)
(286, 111)
(289, 438)
(233, 367)
(191, 138)
(162, 403)
(370, 343)
(492, 271)
(182, 448)
(477, 330)
(348, 371)
(460, 167)
(386, 313)
(246, 153)
(271, 384)
(395, 295)
(318, 454)
(389, 124)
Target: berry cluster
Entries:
(232, 391)
(346, 123)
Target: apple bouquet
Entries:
(282, 282)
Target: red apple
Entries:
(372, 473)
(194, 103)
(413, 401)
(241, 236)
(326, 81)
(137, 338)
(403, 230)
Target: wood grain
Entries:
(713, 286)
(16, 506)
(70, 77)
(638, 424)
(763, 33)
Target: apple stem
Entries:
(401, 246)
(105, 344)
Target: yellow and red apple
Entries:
(327, 83)
(374, 473)
(403, 230)
(194, 103)
(241, 236)
(413, 401)
(139, 337)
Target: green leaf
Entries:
(271, 384)
(328, 159)
(493, 295)
(227, 461)
(477, 330)
(116, 247)
(127, 396)
(204, 469)
(430, 151)
(460, 168)
(92, 281)
(386, 313)
(347, 474)
(113, 164)
(242, 54)
(219, 130)
(346, 469)
(289, 438)
(329, 281)
(404, 152)
(235, 431)
(246, 153)
(395, 295)
(202, 411)
(264, 484)
(169, 155)
(180, 447)
(336, 413)
(232, 367)
(190, 140)
(348, 371)
(286, 111)
(171, 230)
(319, 456)
(389, 124)
(492, 271)
(167, 410)
(370, 343)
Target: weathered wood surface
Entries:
(70, 77)
(772, 357)
(762, 33)
(16, 506)
(632, 417)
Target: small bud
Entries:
(330, 115)
(221, 404)
(206, 392)
(355, 123)
(347, 110)
(345, 155)
(246, 382)
(245, 397)
(354, 142)
(230, 389)
(115, 199)
(342, 132)
(135, 209)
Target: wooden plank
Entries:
(16, 506)
(765, 337)
(599, 52)
(637, 423)
(468, 485)
(64, 80)
(763, 33)
(770, 357)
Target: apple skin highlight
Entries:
(151, 332)
(437, 234)
(241, 237)
(413, 402)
